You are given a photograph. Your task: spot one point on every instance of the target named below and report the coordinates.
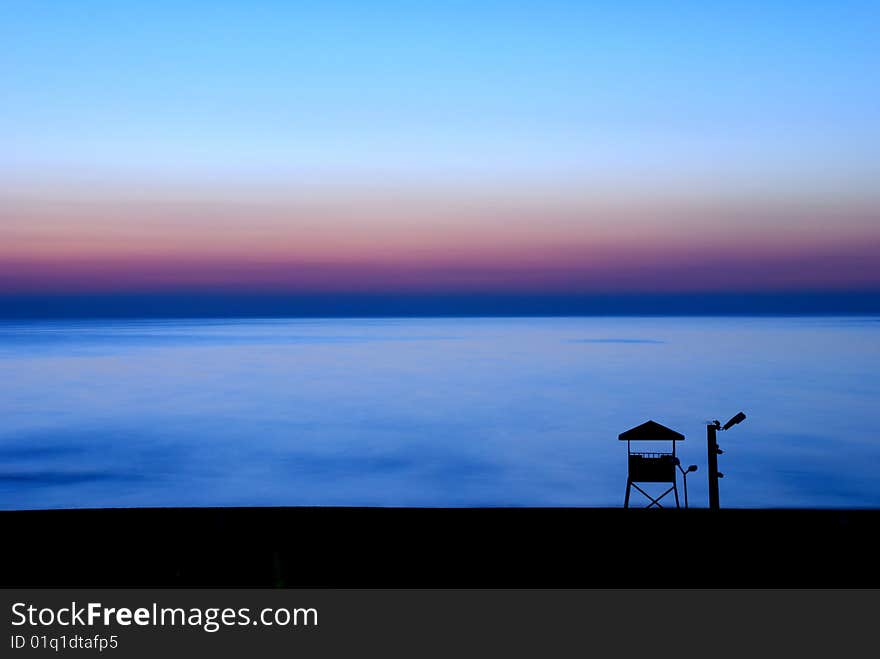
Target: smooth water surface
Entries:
(431, 412)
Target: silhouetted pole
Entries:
(712, 446)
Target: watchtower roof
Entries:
(651, 431)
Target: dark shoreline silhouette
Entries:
(439, 547)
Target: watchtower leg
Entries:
(626, 499)
(675, 491)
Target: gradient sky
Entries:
(454, 147)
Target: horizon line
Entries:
(213, 304)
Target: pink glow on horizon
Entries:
(397, 245)
(622, 270)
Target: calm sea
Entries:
(431, 412)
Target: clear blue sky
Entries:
(529, 147)
(535, 89)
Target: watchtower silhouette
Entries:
(654, 466)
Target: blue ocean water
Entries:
(431, 412)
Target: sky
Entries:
(554, 148)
